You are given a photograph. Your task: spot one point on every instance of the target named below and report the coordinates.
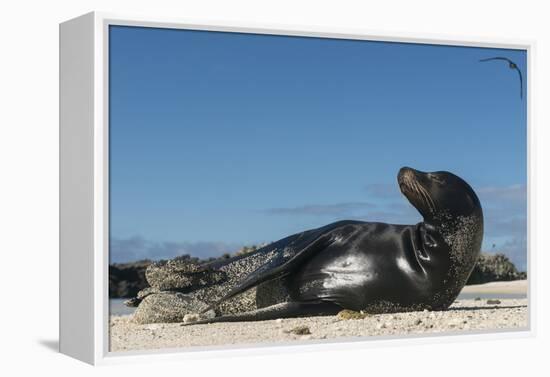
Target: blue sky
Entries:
(223, 139)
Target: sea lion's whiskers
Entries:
(431, 203)
(414, 188)
(420, 193)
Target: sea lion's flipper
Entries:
(181, 275)
(282, 264)
(282, 310)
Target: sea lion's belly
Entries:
(363, 270)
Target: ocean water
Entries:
(117, 307)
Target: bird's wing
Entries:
(496, 58)
(520, 83)
(512, 65)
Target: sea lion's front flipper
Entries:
(281, 265)
(282, 310)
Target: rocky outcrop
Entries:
(494, 267)
(127, 279)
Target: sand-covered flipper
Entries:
(281, 310)
(167, 307)
(181, 275)
(176, 275)
(281, 263)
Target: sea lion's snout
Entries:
(406, 173)
(406, 177)
(412, 186)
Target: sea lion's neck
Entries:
(452, 246)
(463, 236)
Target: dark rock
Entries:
(494, 267)
(127, 279)
(493, 302)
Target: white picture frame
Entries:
(84, 173)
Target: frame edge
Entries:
(76, 190)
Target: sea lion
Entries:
(357, 265)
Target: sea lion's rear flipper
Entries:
(284, 262)
(176, 275)
(282, 310)
(181, 275)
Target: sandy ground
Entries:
(462, 316)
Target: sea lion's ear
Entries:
(427, 239)
(430, 241)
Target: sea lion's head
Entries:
(449, 240)
(452, 232)
(438, 195)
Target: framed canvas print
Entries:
(237, 189)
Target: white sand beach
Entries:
(498, 287)
(464, 315)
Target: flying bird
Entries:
(511, 65)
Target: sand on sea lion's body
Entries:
(462, 316)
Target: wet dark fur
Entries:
(358, 265)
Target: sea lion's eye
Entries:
(437, 179)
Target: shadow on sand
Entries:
(488, 307)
